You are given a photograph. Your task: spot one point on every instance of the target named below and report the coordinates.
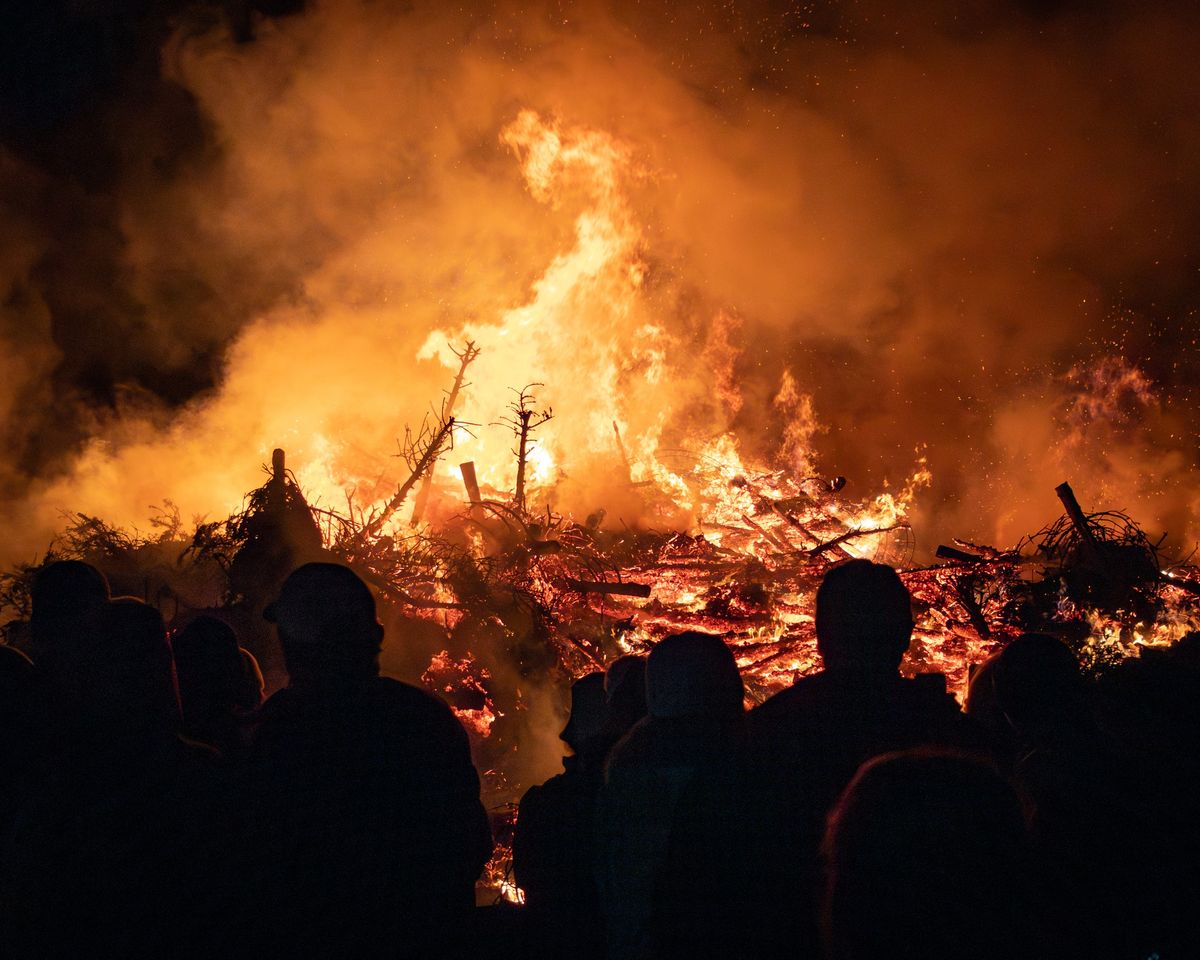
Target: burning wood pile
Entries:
(556, 596)
(490, 594)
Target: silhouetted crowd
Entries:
(153, 805)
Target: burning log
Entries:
(791, 521)
(614, 588)
(842, 539)
(944, 552)
(471, 482)
(771, 536)
(1091, 549)
(1187, 586)
(989, 553)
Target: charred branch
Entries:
(961, 556)
(842, 539)
(421, 451)
(1080, 521)
(465, 357)
(770, 535)
(524, 420)
(618, 588)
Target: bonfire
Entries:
(492, 600)
(496, 590)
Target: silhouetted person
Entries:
(18, 749)
(1040, 692)
(67, 597)
(694, 697)
(253, 686)
(99, 853)
(553, 845)
(625, 695)
(363, 830)
(810, 739)
(926, 858)
(1150, 718)
(1119, 871)
(217, 688)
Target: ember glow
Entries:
(770, 288)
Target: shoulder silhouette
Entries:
(371, 833)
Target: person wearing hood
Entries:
(694, 697)
(553, 844)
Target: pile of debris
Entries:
(497, 598)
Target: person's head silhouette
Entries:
(67, 598)
(925, 856)
(1037, 685)
(327, 624)
(693, 675)
(131, 673)
(864, 617)
(208, 661)
(588, 713)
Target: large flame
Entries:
(584, 337)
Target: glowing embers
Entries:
(462, 684)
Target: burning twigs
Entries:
(465, 357)
(1103, 560)
(513, 596)
(850, 535)
(420, 450)
(524, 420)
(1094, 579)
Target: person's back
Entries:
(554, 840)
(362, 827)
(694, 695)
(808, 741)
(68, 600)
(100, 851)
(821, 729)
(926, 858)
(216, 691)
(17, 745)
(1119, 872)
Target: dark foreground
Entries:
(153, 805)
